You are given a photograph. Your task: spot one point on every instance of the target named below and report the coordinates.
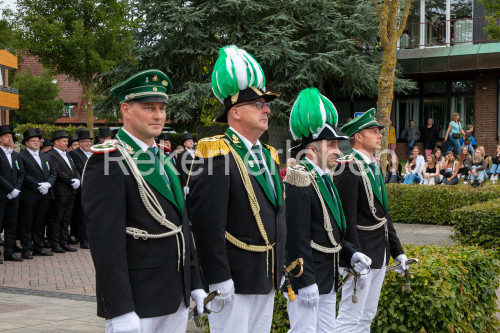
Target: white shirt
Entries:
(140, 143)
(367, 160)
(65, 158)
(316, 168)
(249, 146)
(87, 153)
(8, 153)
(36, 156)
(190, 152)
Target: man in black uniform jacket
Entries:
(241, 241)
(36, 194)
(358, 178)
(315, 220)
(80, 156)
(141, 245)
(11, 180)
(65, 186)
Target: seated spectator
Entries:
(420, 161)
(467, 140)
(431, 171)
(463, 163)
(289, 163)
(477, 170)
(450, 169)
(439, 157)
(393, 172)
(495, 167)
(411, 176)
(486, 159)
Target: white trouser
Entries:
(320, 318)
(172, 323)
(246, 313)
(357, 317)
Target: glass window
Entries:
(411, 35)
(343, 110)
(437, 109)
(460, 9)
(435, 19)
(437, 87)
(1, 77)
(462, 86)
(406, 110)
(463, 105)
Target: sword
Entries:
(193, 313)
(406, 272)
(288, 275)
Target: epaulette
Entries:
(345, 159)
(105, 147)
(298, 176)
(274, 153)
(212, 147)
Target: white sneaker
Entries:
(466, 182)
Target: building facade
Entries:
(9, 97)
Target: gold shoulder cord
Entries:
(256, 212)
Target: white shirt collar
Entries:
(6, 150)
(63, 153)
(34, 152)
(317, 168)
(367, 159)
(247, 143)
(140, 143)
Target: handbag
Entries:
(455, 135)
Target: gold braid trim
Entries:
(256, 213)
(211, 147)
(274, 153)
(297, 176)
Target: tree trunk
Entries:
(89, 95)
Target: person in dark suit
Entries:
(185, 158)
(104, 134)
(80, 156)
(315, 221)
(143, 253)
(46, 145)
(73, 143)
(11, 181)
(358, 178)
(163, 141)
(65, 186)
(36, 194)
(240, 241)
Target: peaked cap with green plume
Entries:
(313, 118)
(237, 77)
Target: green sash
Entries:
(336, 209)
(155, 178)
(380, 193)
(253, 166)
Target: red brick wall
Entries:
(486, 111)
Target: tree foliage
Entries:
(328, 44)
(493, 28)
(79, 38)
(38, 102)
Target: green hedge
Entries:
(434, 204)
(478, 224)
(452, 290)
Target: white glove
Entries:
(127, 323)
(75, 183)
(361, 283)
(9, 196)
(226, 290)
(14, 193)
(360, 261)
(309, 296)
(198, 296)
(401, 259)
(46, 184)
(282, 282)
(44, 188)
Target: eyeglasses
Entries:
(258, 105)
(33, 141)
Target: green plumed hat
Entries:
(237, 77)
(313, 118)
(366, 120)
(148, 86)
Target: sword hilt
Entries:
(197, 316)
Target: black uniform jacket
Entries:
(218, 202)
(79, 158)
(62, 185)
(183, 164)
(35, 175)
(10, 177)
(357, 212)
(133, 274)
(305, 222)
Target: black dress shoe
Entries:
(73, 242)
(1, 241)
(68, 248)
(58, 249)
(46, 245)
(17, 249)
(43, 253)
(84, 245)
(27, 255)
(12, 257)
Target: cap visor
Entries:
(150, 99)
